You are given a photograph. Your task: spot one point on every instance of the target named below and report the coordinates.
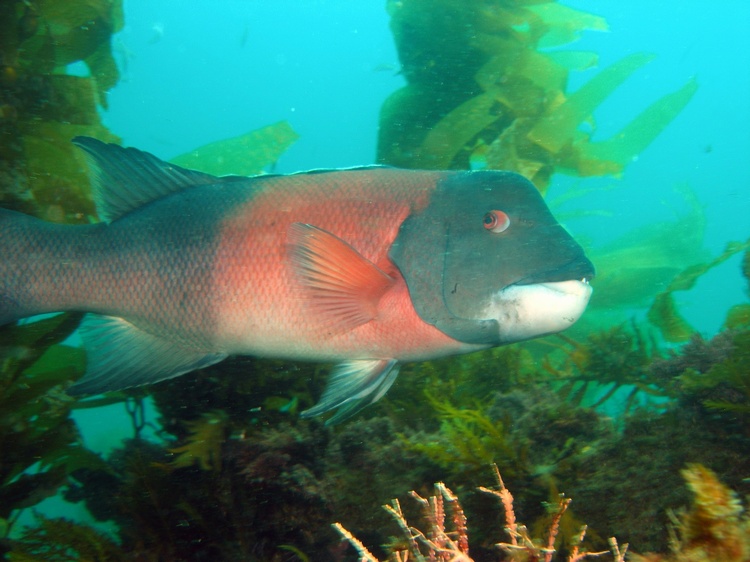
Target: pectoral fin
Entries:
(354, 385)
(341, 285)
(120, 355)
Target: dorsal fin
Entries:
(125, 179)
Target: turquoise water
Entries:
(193, 73)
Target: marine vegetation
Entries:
(236, 474)
(246, 155)
(715, 528)
(506, 104)
(450, 542)
(39, 443)
(610, 360)
(663, 312)
(42, 106)
(62, 540)
(239, 475)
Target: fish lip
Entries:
(579, 269)
(569, 287)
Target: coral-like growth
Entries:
(450, 543)
(716, 528)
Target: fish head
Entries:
(486, 262)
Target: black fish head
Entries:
(487, 263)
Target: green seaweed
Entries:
(468, 440)
(455, 130)
(558, 128)
(609, 361)
(62, 540)
(482, 92)
(39, 441)
(663, 312)
(651, 256)
(43, 107)
(635, 137)
(245, 155)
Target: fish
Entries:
(366, 267)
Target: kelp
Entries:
(649, 256)
(633, 139)
(43, 107)
(245, 155)
(559, 127)
(481, 92)
(67, 32)
(39, 441)
(663, 312)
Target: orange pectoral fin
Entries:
(342, 286)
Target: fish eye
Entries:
(496, 221)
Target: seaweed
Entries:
(40, 443)
(725, 386)
(482, 91)
(618, 357)
(629, 269)
(717, 527)
(245, 155)
(62, 540)
(450, 541)
(467, 440)
(43, 106)
(663, 312)
(204, 443)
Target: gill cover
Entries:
(453, 264)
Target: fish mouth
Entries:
(580, 269)
(570, 287)
(526, 311)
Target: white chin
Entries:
(529, 311)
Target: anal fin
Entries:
(121, 355)
(353, 386)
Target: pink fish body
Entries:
(364, 304)
(366, 267)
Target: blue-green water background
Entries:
(200, 71)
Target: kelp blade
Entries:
(245, 155)
(558, 128)
(639, 133)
